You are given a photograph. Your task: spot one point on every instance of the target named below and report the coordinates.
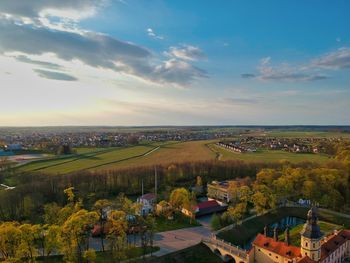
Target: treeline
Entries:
(34, 190)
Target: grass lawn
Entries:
(267, 155)
(241, 234)
(294, 233)
(196, 254)
(105, 257)
(180, 221)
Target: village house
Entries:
(147, 202)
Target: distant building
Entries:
(220, 190)
(148, 202)
(13, 147)
(205, 208)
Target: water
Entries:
(281, 225)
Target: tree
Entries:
(49, 239)
(75, 234)
(245, 194)
(70, 194)
(100, 208)
(29, 235)
(10, 240)
(51, 212)
(215, 222)
(263, 202)
(179, 198)
(117, 235)
(90, 256)
(64, 149)
(236, 213)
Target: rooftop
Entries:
(277, 247)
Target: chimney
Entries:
(286, 236)
(265, 231)
(275, 234)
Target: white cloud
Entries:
(338, 59)
(91, 48)
(151, 33)
(186, 52)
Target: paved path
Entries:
(174, 240)
(169, 241)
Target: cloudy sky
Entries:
(153, 62)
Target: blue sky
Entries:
(133, 62)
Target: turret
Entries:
(286, 236)
(265, 231)
(311, 236)
(275, 234)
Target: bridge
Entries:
(227, 251)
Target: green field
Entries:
(157, 154)
(175, 152)
(267, 155)
(88, 159)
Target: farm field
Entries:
(267, 155)
(170, 153)
(88, 159)
(157, 154)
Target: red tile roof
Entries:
(207, 204)
(334, 242)
(277, 247)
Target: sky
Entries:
(175, 62)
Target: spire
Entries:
(265, 231)
(286, 236)
(311, 228)
(275, 234)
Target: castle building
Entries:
(314, 245)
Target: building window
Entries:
(305, 244)
(313, 245)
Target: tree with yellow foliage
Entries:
(75, 234)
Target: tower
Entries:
(311, 236)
